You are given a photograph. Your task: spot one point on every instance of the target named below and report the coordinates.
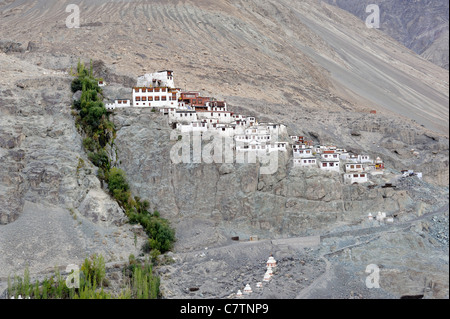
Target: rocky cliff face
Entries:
(290, 202)
(210, 203)
(304, 64)
(52, 204)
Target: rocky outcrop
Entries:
(290, 202)
(98, 207)
(53, 209)
(11, 47)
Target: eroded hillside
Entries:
(307, 65)
(294, 53)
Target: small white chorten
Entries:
(247, 289)
(271, 262)
(267, 276)
(259, 284)
(239, 293)
(380, 216)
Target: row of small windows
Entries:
(150, 90)
(151, 98)
(302, 151)
(358, 175)
(331, 164)
(246, 137)
(185, 114)
(306, 161)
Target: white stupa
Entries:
(239, 293)
(370, 216)
(380, 216)
(271, 262)
(267, 276)
(259, 284)
(247, 289)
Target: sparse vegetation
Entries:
(140, 283)
(93, 121)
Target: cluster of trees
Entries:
(92, 119)
(139, 283)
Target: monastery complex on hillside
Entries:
(190, 112)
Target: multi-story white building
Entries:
(182, 116)
(364, 159)
(216, 106)
(253, 146)
(359, 159)
(330, 165)
(298, 146)
(251, 120)
(253, 137)
(298, 152)
(278, 146)
(273, 128)
(354, 167)
(257, 130)
(117, 104)
(221, 116)
(352, 178)
(222, 129)
(239, 117)
(303, 162)
(194, 126)
(157, 79)
(329, 155)
(156, 97)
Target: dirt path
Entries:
(320, 283)
(323, 280)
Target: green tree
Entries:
(117, 180)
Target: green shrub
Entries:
(76, 105)
(100, 159)
(94, 270)
(142, 284)
(76, 85)
(117, 180)
(89, 144)
(161, 235)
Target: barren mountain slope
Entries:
(53, 211)
(308, 65)
(421, 26)
(302, 53)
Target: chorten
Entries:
(271, 262)
(247, 289)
